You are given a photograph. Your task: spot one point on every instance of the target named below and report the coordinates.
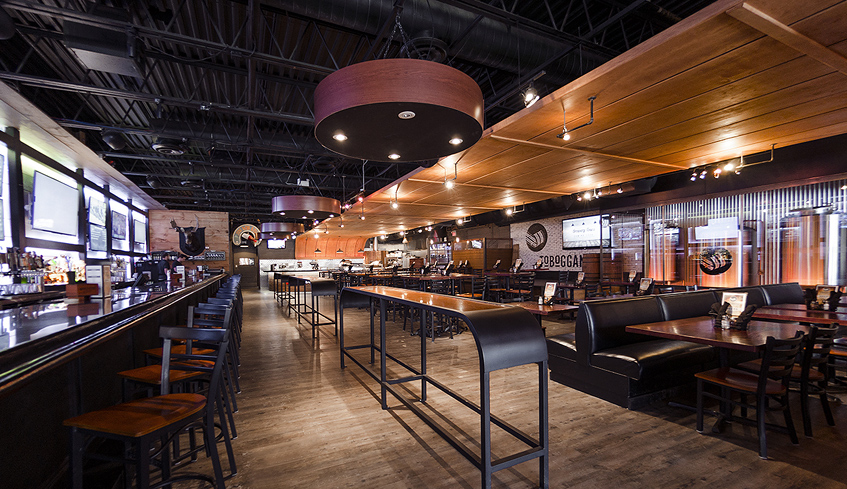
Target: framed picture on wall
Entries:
(118, 225)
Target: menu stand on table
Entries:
(505, 337)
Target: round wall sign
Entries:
(246, 233)
(536, 237)
(715, 261)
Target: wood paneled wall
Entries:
(329, 245)
(164, 238)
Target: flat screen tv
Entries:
(55, 206)
(276, 244)
(96, 237)
(584, 232)
(96, 212)
(118, 225)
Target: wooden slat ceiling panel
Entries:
(710, 88)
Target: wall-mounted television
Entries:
(118, 225)
(96, 211)
(55, 206)
(276, 244)
(584, 232)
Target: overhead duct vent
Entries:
(171, 147)
(104, 49)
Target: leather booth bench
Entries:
(601, 359)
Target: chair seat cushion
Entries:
(739, 380)
(563, 345)
(652, 358)
(141, 417)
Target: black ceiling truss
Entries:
(230, 83)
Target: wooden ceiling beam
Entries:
(587, 152)
(775, 29)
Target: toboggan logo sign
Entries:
(536, 237)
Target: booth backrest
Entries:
(601, 324)
(790, 293)
(686, 304)
(755, 295)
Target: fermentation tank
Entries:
(813, 247)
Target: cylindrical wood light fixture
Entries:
(398, 110)
(281, 230)
(305, 207)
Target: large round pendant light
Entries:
(398, 110)
(281, 230)
(305, 207)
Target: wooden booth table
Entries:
(701, 329)
(799, 313)
(505, 337)
(539, 310)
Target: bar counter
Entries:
(59, 359)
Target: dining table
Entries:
(539, 310)
(701, 329)
(799, 313)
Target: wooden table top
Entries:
(544, 309)
(798, 312)
(448, 302)
(701, 330)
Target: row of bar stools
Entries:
(208, 355)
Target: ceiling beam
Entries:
(587, 152)
(158, 35)
(53, 84)
(775, 29)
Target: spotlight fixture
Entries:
(620, 189)
(694, 176)
(565, 135)
(717, 172)
(530, 96)
(729, 167)
(587, 195)
(702, 174)
(394, 204)
(339, 251)
(509, 211)
(579, 198)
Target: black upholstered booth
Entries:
(629, 369)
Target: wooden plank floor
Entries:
(305, 422)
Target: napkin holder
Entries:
(724, 321)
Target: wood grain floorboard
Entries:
(305, 422)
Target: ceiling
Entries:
(733, 79)
(231, 84)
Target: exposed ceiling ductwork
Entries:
(489, 42)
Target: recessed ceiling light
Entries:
(304, 217)
(394, 156)
(281, 213)
(456, 141)
(332, 215)
(310, 211)
(339, 137)
(406, 114)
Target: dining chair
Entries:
(770, 383)
(810, 374)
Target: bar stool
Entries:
(141, 423)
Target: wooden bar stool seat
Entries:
(153, 423)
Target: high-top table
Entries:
(505, 337)
(296, 294)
